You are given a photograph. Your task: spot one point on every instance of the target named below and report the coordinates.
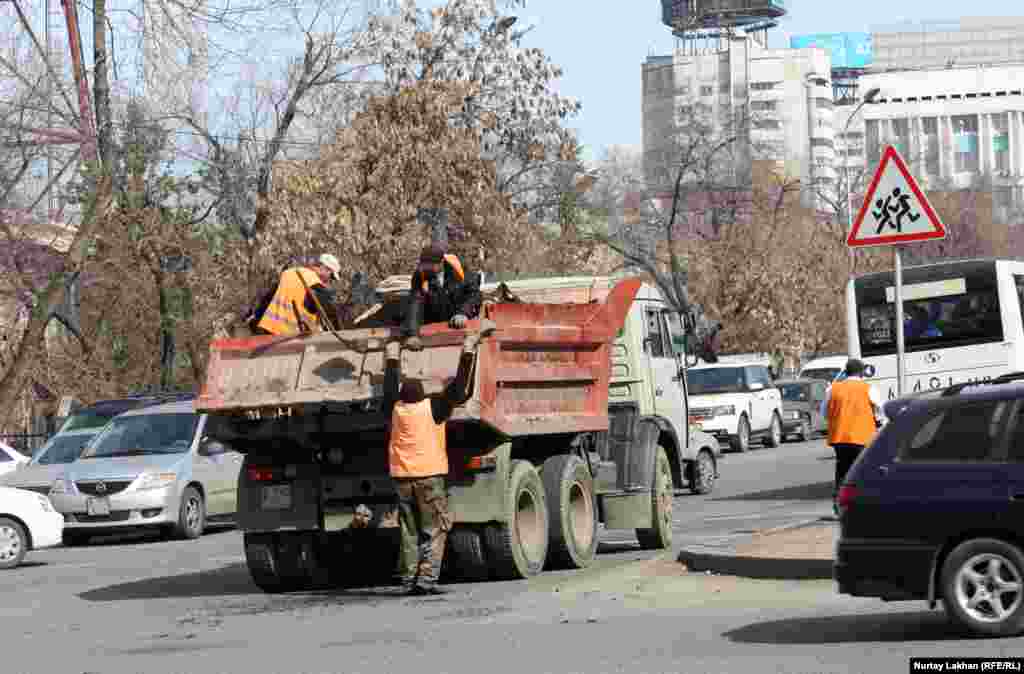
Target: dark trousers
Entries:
(845, 456)
(424, 522)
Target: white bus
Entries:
(962, 322)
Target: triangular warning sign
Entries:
(895, 209)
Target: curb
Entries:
(774, 568)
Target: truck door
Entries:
(666, 384)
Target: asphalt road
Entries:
(188, 606)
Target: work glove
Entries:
(458, 321)
(414, 343)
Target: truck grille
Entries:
(94, 489)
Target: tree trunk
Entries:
(101, 85)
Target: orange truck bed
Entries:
(545, 368)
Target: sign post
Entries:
(900, 214)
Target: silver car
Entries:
(150, 467)
(50, 461)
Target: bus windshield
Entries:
(955, 305)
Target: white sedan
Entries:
(27, 522)
(10, 459)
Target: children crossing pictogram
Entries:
(899, 212)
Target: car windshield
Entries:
(143, 434)
(63, 448)
(85, 420)
(823, 373)
(716, 380)
(799, 393)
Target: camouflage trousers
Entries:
(424, 522)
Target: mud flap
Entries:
(629, 507)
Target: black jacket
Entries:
(441, 303)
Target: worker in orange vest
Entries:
(293, 309)
(440, 292)
(853, 406)
(418, 458)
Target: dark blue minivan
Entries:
(933, 509)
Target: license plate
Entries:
(97, 507)
(276, 497)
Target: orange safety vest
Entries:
(851, 417)
(279, 318)
(417, 447)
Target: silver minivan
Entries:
(149, 468)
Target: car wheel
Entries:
(13, 543)
(741, 441)
(983, 587)
(774, 438)
(191, 514)
(805, 432)
(703, 479)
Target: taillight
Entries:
(261, 474)
(482, 462)
(847, 493)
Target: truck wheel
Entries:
(741, 441)
(298, 562)
(572, 527)
(261, 558)
(659, 537)
(466, 554)
(702, 477)
(774, 437)
(517, 548)
(191, 515)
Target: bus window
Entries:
(932, 321)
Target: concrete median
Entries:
(799, 551)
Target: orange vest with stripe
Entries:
(417, 447)
(851, 417)
(279, 318)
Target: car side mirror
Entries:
(756, 386)
(211, 447)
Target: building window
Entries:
(872, 141)
(901, 133)
(1001, 142)
(763, 86)
(706, 90)
(767, 124)
(965, 143)
(930, 130)
(822, 142)
(764, 106)
(825, 103)
(853, 135)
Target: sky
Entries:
(601, 44)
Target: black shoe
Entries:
(421, 591)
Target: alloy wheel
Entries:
(988, 588)
(10, 543)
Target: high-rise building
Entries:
(784, 94)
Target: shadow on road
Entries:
(866, 627)
(804, 492)
(140, 537)
(232, 579)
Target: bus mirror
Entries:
(869, 371)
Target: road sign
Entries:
(895, 209)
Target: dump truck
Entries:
(576, 420)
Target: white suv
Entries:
(736, 402)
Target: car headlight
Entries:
(44, 503)
(724, 411)
(155, 480)
(60, 486)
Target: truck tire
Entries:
(518, 548)
(572, 527)
(262, 560)
(466, 559)
(659, 536)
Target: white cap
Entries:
(331, 263)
